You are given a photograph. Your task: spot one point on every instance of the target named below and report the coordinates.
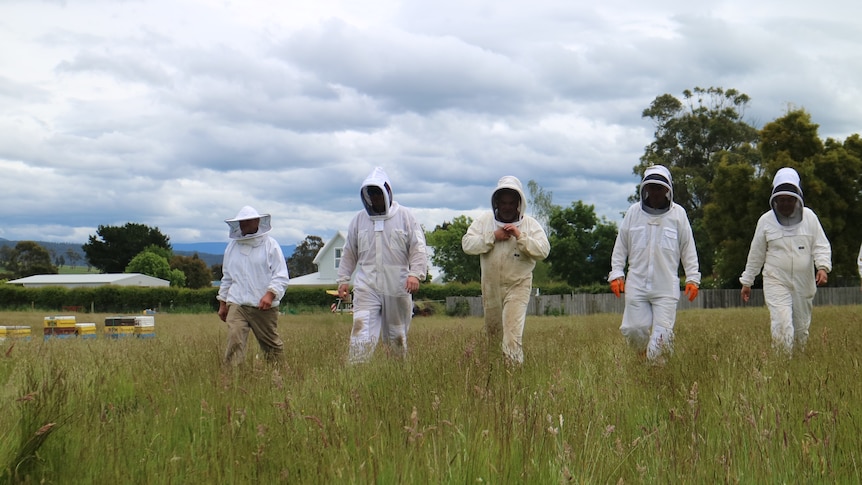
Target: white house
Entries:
(327, 260)
(90, 280)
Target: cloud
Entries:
(177, 113)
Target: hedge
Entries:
(128, 299)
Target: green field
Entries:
(582, 409)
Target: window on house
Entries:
(337, 257)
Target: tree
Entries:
(581, 244)
(730, 217)
(301, 262)
(28, 258)
(114, 247)
(449, 256)
(151, 264)
(540, 203)
(831, 176)
(72, 256)
(197, 274)
(689, 138)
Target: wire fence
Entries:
(586, 304)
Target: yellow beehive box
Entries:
(85, 330)
(60, 321)
(14, 332)
(119, 331)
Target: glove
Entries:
(618, 286)
(691, 291)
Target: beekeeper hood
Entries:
(377, 180)
(245, 214)
(786, 182)
(512, 183)
(659, 175)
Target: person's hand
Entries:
(222, 310)
(821, 277)
(618, 286)
(745, 293)
(512, 230)
(412, 285)
(343, 290)
(265, 302)
(691, 290)
(501, 234)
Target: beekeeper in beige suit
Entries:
(508, 243)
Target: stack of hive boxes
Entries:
(145, 326)
(14, 332)
(60, 327)
(142, 326)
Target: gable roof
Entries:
(339, 236)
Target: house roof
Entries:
(311, 279)
(323, 251)
(135, 279)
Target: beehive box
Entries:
(145, 326)
(119, 331)
(85, 330)
(119, 321)
(65, 321)
(59, 332)
(14, 332)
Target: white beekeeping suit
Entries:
(385, 254)
(789, 245)
(508, 243)
(653, 239)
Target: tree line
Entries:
(135, 248)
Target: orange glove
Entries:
(618, 286)
(691, 291)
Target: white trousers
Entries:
(789, 314)
(377, 316)
(648, 324)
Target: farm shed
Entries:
(90, 280)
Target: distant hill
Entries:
(210, 252)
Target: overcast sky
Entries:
(176, 113)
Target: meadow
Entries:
(582, 409)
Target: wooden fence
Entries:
(585, 304)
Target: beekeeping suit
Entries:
(653, 240)
(789, 245)
(385, 254)
(254, 279)
(507, 264)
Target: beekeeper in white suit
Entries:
(790, 246)
(508, 243)
(654, 237)
(385, 247)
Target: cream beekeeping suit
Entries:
(385, 253)
(653, 241)
(789, 245)
(507, 264)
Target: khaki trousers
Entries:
(263, 323)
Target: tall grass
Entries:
(583, 408)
